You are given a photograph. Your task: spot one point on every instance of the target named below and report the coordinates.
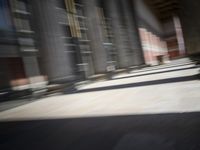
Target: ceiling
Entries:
(164, 9)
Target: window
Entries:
(21, 5)
(22, 24)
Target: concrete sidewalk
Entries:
(168, 89)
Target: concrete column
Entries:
(31, 66)
(114, 13)
(133, 35)
(189, 17)
(179, 35)
(95, 35)
(55, 61)
(32, 72)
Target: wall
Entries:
(168, 27)
(54, 58)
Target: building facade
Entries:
(62, 41)
(18, 54)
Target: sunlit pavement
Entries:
(172, 88)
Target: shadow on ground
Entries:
(134, 132)
(158, 72)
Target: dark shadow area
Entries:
(159, 72)
(135, 132)
(9, 94)
(145, 83)
(195, 58)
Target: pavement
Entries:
(151, 108)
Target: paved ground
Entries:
(170, 88)
(154, 108)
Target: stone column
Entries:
(32, 71)
(54, 59)
(95, 35)
(179, 35)
(112, 8)
(189, 17)
(31, 66)
(133, 35)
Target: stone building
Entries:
(63, 41)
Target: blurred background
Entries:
(99, 74)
